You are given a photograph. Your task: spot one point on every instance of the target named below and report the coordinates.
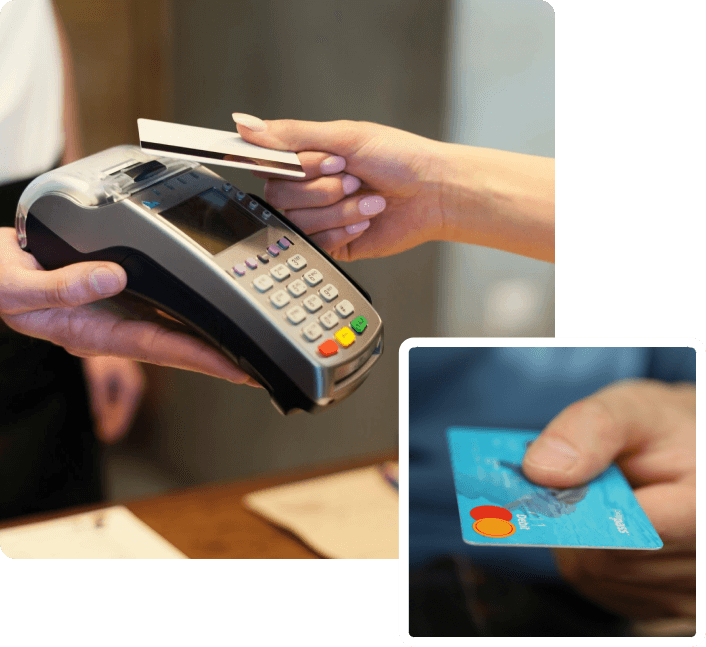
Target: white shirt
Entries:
(31, 89)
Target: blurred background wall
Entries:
(474, 71)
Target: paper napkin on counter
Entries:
(350, 515)
(110, 533)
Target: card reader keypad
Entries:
(307, 294)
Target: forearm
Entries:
(498, 199)
(73, 148)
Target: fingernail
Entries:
(350, 184)
(552, 454)
(358, 227)
(105, 281)
(371, 205)
(333, 164)
(253, 123)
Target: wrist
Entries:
(498, 199)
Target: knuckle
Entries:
(72, 330)
(58, 293)
(351, 211)
(351, 134)
(285, 124)
(156, 342)
(324, 191)
(593, 409)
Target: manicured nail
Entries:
(105, 281)
(333, 164)
(350, 184)
(253, 123)
(371, 205)
(358, 227)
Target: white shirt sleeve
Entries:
(31, 90)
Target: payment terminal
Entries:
(220, 260)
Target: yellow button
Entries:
(345, 337)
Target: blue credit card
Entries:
(500, 507)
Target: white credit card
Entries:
(214, 147)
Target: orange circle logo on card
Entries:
(492, 521)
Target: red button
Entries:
(328, 348)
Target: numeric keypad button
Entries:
(280, 299)
(296, 314)
(328, 292)
(345, 308)
(312, 303)
(313, 277)
(280, 272)
(312, 332)
(329, 320)
(296, 288)
(263, 283)
(297, 262)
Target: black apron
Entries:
(49, 455)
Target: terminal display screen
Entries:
(212, 220)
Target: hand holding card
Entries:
(649, 430)
(499, 506)
(367, 192)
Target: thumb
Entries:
(67, 287)
(578, 444)
(337, 137)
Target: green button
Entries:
(359, 324)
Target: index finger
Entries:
(311, 164)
